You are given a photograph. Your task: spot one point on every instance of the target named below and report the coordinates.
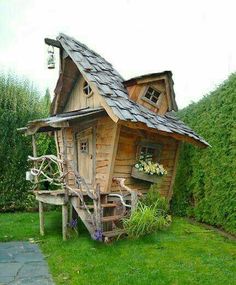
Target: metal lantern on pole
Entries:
(51, 58)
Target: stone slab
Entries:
(22, 263)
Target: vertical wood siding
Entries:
(104, 150)
(126, 158)
(68, 132)
(78, 100)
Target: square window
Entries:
(84, 146)
(152, 95)
(150, 150)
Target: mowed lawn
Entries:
(183, 254)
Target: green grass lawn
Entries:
(183, 254)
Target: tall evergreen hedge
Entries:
(205, 185)
(19, 103)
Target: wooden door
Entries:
(86, 155)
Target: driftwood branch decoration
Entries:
(46, 170)
(134, 194)
(58, 177)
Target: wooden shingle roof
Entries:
(111, 87)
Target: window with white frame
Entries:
(152, 95)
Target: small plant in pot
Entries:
(147, 165)
(147, 169)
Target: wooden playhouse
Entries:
(101, 124)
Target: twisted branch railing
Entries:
(46, 172)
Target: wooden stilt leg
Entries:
(64, 221)
(70, 213)
(41, 218)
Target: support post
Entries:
(98, 213)
(70, 213)
(64, 221)
(41, 218)
(35, 155)
(134, 201)
(65, 165)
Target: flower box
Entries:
(144, 176)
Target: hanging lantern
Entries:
(51, 58)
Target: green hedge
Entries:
(19, 103)
(205, 185)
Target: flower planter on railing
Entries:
(144, 176)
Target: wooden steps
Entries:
(106, 220)
(107, 205)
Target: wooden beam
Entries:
(111, 163)
(178, 137)
(34, 146)
(52, 42)
(64, 221)
(50, 199)
(35, 155)
(98, 209)
(65, 165)
(41, 219)
(170, 193)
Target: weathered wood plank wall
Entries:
(78, 100)
(126, 158)
(104, 150)
(71, 156)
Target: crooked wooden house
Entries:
(101, 124)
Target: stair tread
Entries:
(109, 205)
(113, 233)
(111, 218)
(105, 205)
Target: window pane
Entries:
(152, 95)
(154, 99)
(84, 146)
(148, 95)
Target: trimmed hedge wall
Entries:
(19, 103)
(205, 186)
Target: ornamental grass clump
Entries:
(146, 165)
(150, 215)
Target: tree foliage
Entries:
(19, 103)
(205, 186)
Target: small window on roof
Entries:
(87, 89)
(152, 95)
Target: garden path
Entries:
(22, 263)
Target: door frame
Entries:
(77, 132)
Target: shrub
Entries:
(205, 185)
(19, 103)
(150, 215)
(153, 198)
(145, 220)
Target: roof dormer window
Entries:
(152, 95)
(87, 89)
